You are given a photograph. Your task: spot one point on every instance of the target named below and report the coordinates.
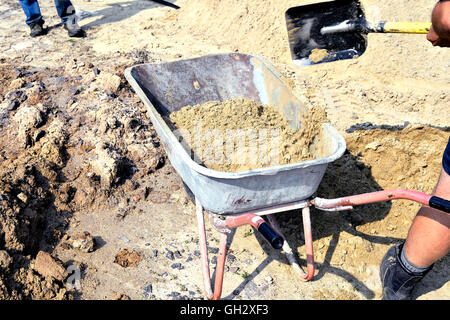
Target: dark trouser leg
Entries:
(32, 11)
(65, 9)
(66, 12)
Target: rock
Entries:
(124, 239)
(178, 266)
(23, 197)
(40, 87)
(121, 296)
(5, 261)
(174, 295)
(112, 122)
(234, 269)
(268, 279)
(38, 135)
(74, 91)
(28, 118)
(109, 81)
(18, 95)
(17, 84)
(96, 71)
(83, 241)
(13, 105)
(48, 267)
(213, 250)
(158, 197)
(107, 164)
(373, 145)
(4, 110)
(148, 291)
(53, 142)
(126, 258)
(169, 255)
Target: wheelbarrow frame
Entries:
(340, 204)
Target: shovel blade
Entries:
(308, 46)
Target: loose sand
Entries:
(241, 134)
(318, 55)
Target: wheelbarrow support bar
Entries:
(230, 222)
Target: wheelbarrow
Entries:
(233, 199)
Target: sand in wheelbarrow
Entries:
(242, 134)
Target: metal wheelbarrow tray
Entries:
(167, 87)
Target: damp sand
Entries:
(318, 55)
(242, 134)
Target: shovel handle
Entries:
(403, 27)
(364, 26)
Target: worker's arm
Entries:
(439, 34)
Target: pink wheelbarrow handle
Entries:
(345, 203)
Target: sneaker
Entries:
(74, 29)
(37, 28)
(396, 281)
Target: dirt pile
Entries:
(55, 159)
(404, 157)
(242, 134)
(381, 159)
(245, 26)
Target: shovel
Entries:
(336, 30)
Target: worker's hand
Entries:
(439, 34)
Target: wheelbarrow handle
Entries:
(274, 238)
(259, 224)
(440, 204)
(378, 196)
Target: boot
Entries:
(397, 282)
(73, 29)
(37, 28)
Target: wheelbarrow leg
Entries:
(308, 244)
(204, 257)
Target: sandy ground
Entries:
(78, 154)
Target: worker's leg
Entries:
(65, 9)
(429, 236)
(66, 12)
(34, 18)
(428, 240)
(32, 11)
